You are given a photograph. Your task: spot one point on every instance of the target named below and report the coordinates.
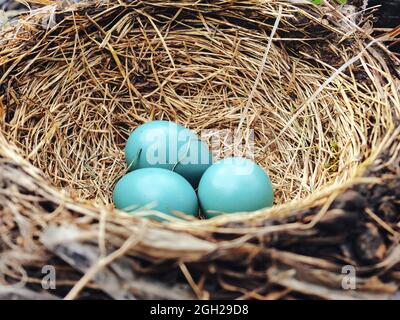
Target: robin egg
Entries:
(167, 145)
(234, 185)
(155, 189)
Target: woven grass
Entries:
(320, 94)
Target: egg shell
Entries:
(167, 145)
(234, 185)
(158, 189)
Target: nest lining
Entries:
(83, 91)
(71, 93)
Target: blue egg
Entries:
(158, 189)
(167, 145)
(234, 185)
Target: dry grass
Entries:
(87, 88)
(321, 96)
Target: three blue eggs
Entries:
(167, 162)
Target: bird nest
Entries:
(305, 88)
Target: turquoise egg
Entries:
(233, 185)
(157, 189)
(167, 145)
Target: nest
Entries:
(316, 95)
